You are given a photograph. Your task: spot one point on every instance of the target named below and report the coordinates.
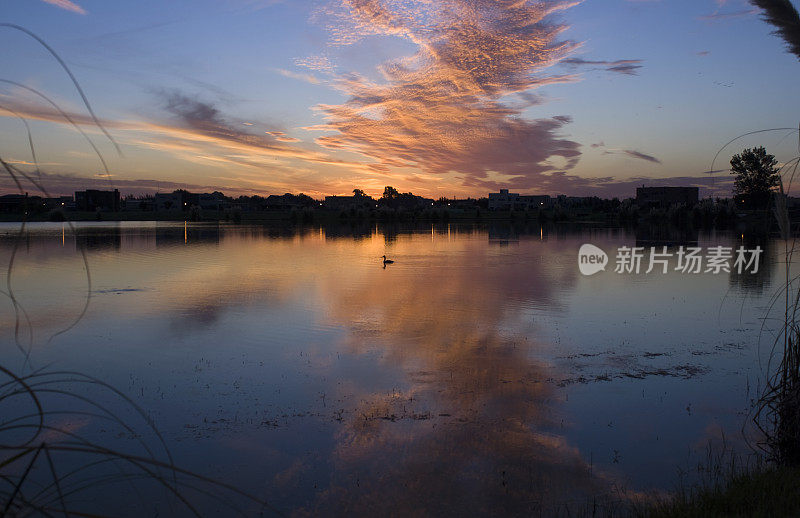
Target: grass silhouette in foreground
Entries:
(762, 493)
(50, 463)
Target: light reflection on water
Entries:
(480, 372)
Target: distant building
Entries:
(505, 200)
(666, 196)
(144, 204)
(92, 200)
(20, 203)
(14, 203)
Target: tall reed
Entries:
(778, 408)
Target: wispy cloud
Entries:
(717, 16)
(281, 136)
(782, 15)
(316, 63)
(308, 78)
(29, 163)
(196, 131)
(66, 4)
(641, 156)
(621, 66)
(628, 152)
(203, 119)
(199, 121)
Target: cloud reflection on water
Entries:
(452, 398)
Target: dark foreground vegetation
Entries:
(766, 492)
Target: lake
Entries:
(480, 373)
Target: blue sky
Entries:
(442, 98)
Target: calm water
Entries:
(481, 372)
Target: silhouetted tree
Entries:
(358, 193)
(390, 193)
(756, 175)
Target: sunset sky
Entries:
(437, 97)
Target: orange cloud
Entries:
(316, 63)
(441, 109)
(66, 4)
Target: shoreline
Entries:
(441, 215)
